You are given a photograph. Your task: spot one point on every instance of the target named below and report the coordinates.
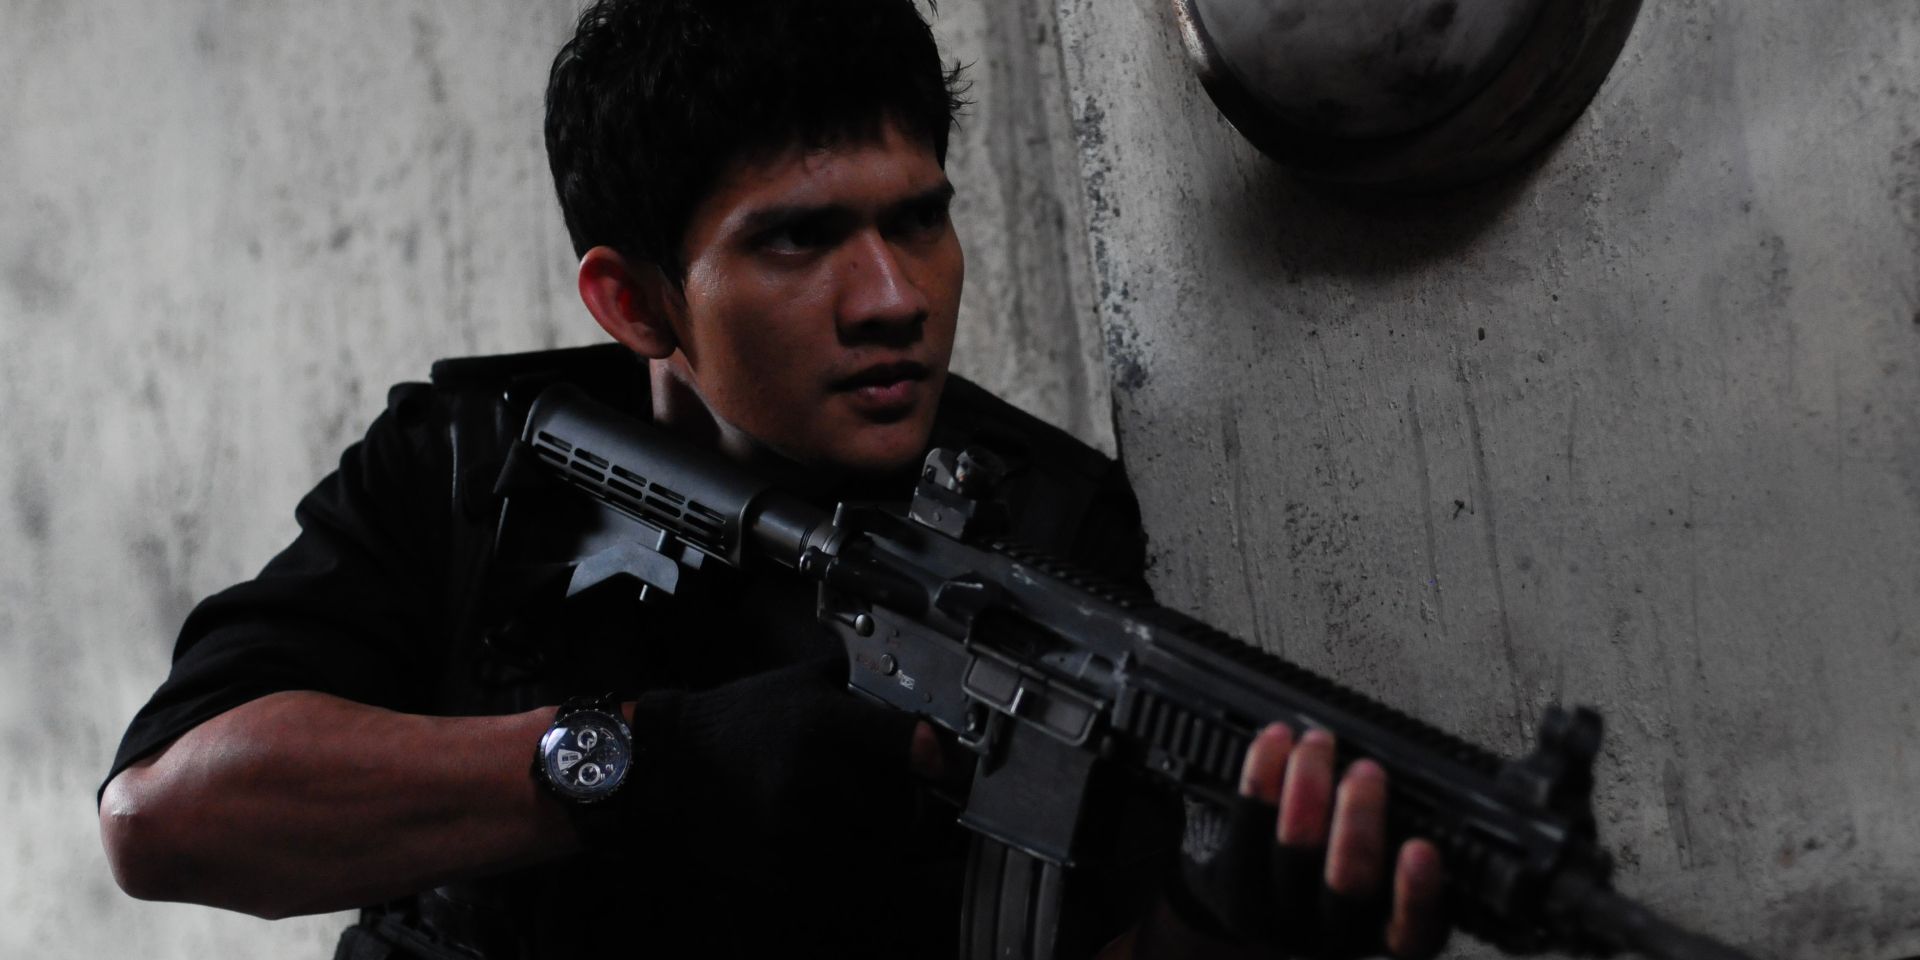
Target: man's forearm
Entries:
(301, 802)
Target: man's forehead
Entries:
(874, 171)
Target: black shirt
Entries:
(386, 598)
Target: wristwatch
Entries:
(586, 754)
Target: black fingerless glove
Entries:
(1238, 885)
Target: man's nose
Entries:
(879, 294)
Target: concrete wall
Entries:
(1635, 428)
(225, 228)
(1638, 428)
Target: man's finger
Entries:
(1306, 799)
(1357, 848)
(1266, 764)
(1419, 925)
(925, 757)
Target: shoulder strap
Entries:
(479, 437)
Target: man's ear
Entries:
(633, 302)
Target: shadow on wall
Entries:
(1280, 224)
(1410, 95)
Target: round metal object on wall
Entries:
(1411, 95)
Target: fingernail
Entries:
(1420, 859)
(1366, 768)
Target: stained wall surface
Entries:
(1638, 427)
(225, 229)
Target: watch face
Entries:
(586, 755)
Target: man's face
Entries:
(820, 297)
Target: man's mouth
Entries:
(885, 391)
(882, 375)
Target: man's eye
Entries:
(794, 238)
(922, 217)
(931, 215)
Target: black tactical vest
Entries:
(516, 645)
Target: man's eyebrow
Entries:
(941, 193)
(768, 218)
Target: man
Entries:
(756, 192)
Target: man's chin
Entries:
(878, 449)
(882, 462)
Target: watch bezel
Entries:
(572, 718)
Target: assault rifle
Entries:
(1045, 672)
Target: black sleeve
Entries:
(352, 608)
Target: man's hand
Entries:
(1352, 835)
(1300, 867)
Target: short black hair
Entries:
(653, 100)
